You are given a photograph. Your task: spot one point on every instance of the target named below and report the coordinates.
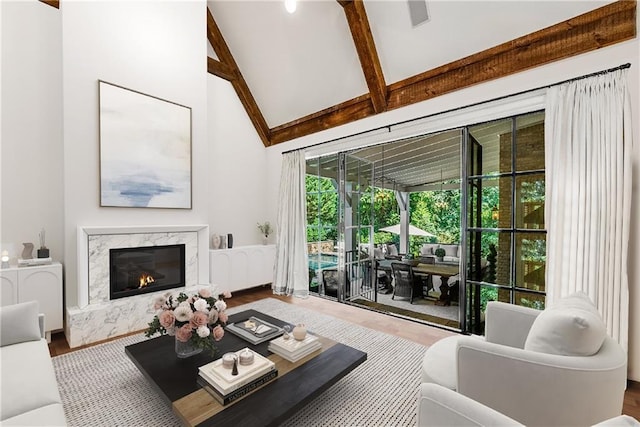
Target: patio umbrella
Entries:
(413, 230)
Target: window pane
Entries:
(531, 260)
(530, 300)
(490, 148)
(489, 257)
(530, 142)
(493, 208)
(530, 201)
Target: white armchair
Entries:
(536, 388)
(441, 407)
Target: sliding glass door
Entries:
(506, 239)
(355, 232)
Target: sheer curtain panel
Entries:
(291, 276)
(588, 146)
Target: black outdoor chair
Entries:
(330, 283)
(406, 285)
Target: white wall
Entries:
(31, 169)
(237, 168)
(627, 52)
(158, 49)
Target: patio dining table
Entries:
(445, 271)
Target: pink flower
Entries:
(213, 317)
(199, 319)
(167, 319)
(205, 293)
(223, 317)
(226, 294)
(183, 334)
(159, 302)
(218, 333)
(221, 305)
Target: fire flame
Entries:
(145, 280)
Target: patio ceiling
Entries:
(426, 162)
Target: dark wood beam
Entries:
(367, 53)
(605, 26)
(54, 3)
(219, 69)
(593, 30)
(340, 114)
(239, 84)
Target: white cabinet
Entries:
(42, 283)
(241, 267)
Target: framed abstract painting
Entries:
(145, 150)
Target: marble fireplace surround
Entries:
(96, 317)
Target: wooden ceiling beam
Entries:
(340, 114)
(54, 3)
(605, 26)
(219, 69)
(593, 30)
(239, 84)
(367, 53)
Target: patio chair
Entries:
(330, 283)
(406, 285)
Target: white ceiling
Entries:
(298, 64)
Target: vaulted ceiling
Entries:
(334, 62)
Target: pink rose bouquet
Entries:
(198, 319)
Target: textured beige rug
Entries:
(100, 386)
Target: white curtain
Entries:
(291, 275)
(588, 152)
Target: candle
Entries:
(228, 359)
(246, 357)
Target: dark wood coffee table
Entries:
(297, 383)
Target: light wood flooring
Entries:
(409, 330)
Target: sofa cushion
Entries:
(428, 249)
(32, 384)
(19, 323)
(49, 415)
(450, 250)
(571, 327)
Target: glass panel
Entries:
(530, 300)
(312, 175)
(492, 264)
(531, 260)
(530, 142)
(530, 201)
(490, 148)
(312, 208)
(493, 210)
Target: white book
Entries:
(222, 379)
(292, 345)
(298, 355)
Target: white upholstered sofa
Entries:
(556, 367)
(30, 395)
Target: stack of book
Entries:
(294, 350)
(225, 387)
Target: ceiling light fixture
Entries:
(290, 5)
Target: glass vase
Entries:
(186, 349)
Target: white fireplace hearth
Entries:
(96, 317)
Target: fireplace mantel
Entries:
(84, 232)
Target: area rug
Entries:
(100, 386)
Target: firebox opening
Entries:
(134, 271)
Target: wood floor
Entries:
(409, 330)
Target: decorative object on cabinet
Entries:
(43, 252)
(266, 230)
(229, 240)
(5, 259)
(145, 150)
(216, 241)
(27, 252)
